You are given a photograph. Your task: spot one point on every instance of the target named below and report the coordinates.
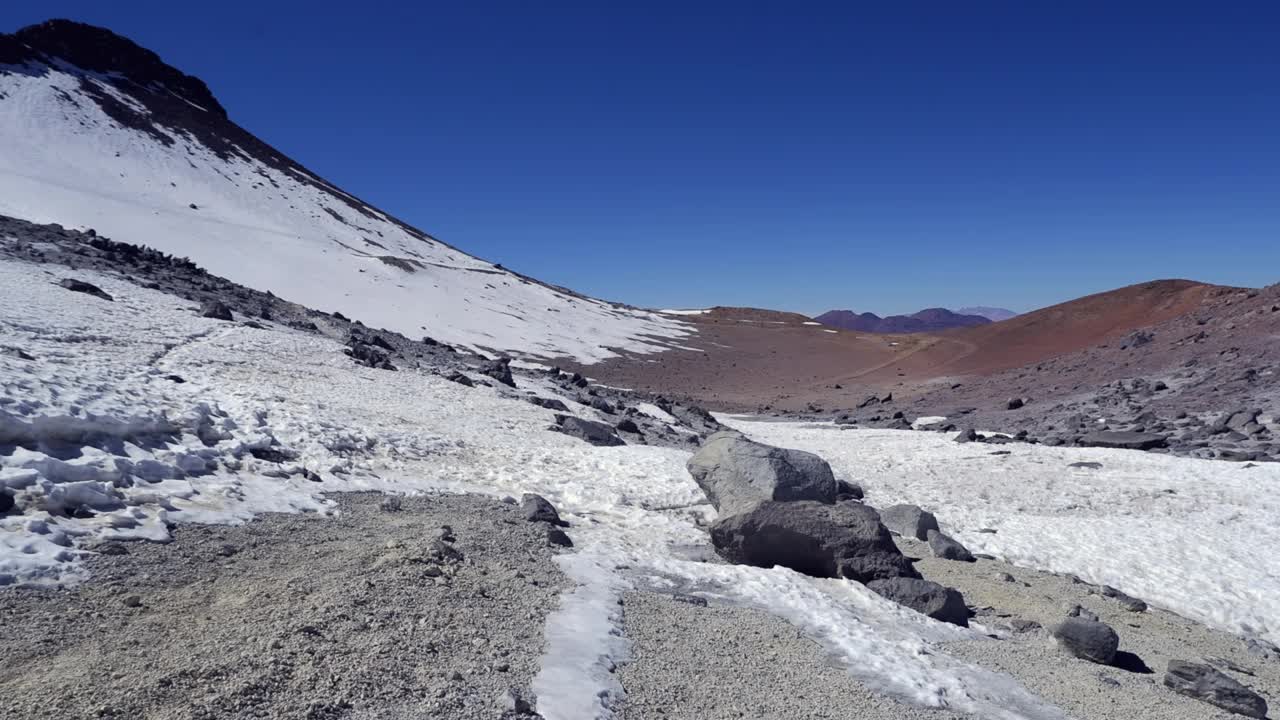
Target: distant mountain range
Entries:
(928, 320)
(994, 314)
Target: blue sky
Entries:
(801, 156)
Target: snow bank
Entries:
(1196, 537)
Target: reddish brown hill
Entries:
(1071, 326)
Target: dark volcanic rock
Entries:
(1211, 686)
(844, 539)
(538, 509)
(967, 435)
(461, 379)
(925, 597)
(1087, 639)
(1130, 603)
(500, 370)
(909, 521)
(737, 473)
(1125, 440)
(946, 547)
(215, 309)
(589, 430)
(81, 286)
(549, 403)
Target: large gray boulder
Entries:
(909, 521)
(1087, 639)
(1211, 686)
(928, 598)
(737, 474)
(837, 540)
(1125, 440)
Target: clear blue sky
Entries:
(803, 156)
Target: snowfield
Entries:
(1196, 537)
(66, 161)
(100, 441)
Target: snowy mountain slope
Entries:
(96, 132)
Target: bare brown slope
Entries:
(1070, 326)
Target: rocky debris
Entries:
(1136, 339)
(846, 490)
(1086, 465)
(1082, 612)
(590, 431)
(737, 473)
(814, 538)
(925, 597)
(1128, 602)
(1262, 649)
(947, 548)
(461, 379)
(1124, 440)
(367, 354)
(558, 538)
(909, 521)
(967, 435)
(603, 405)
(499, 369)
(215, 310)
(1014, 403)
(1087, 639)
(1211, 686)
(517, 704)
(549, 403)
(538, 509)
(81, 286)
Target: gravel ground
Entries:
(1082, 688)
(691, 662)
(366, 615)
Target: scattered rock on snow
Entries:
(967, 435)
(499, 369)
(558, 537)
(1130, 603)
(844, 539)
(909, 521)
(925, 597)
(461, 379)
(538, 509)
(216, 310)
(81, 286)
(1087, 639)
(549, 403)
(737, 473)
(588, 430)
(947, 548)
(1125, 440)
(1208, 685)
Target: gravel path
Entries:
(366, 615)
(692, 662)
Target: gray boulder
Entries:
(81, 286)
(927, 598)
(736, 474)
(946, 547)
(909, 521)
(846, 490)
(1082, 612)
(589, 430)
(1087, 639)
(1129, 602)
(549, 403)
(499, 369)
(538, 509)
(1211, 686)
(967, 435)
(1125, 440)
(838, 540)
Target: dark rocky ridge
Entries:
(928, 320)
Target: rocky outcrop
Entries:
(1124, 440)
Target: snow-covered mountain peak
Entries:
(100, 133)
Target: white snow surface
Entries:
(1196, 537)
(95, 422)
(63, 160)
